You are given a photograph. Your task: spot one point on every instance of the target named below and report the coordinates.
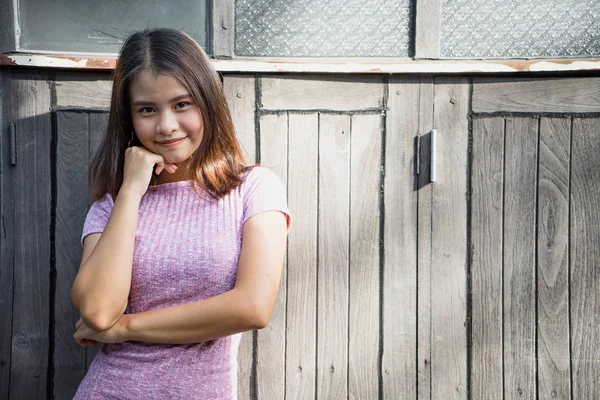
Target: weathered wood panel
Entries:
(71, 209)
(519, 257)
(400, 242)
(32, 257)
(81, 92)
(363, 354)
(240, 94)
(7, 240)
(270, 346)
(424, 241)
(223, 28)
(332, 275)
(428, 28)
(536, 95)
(584, 256)
(321, 93)
(487, 179)
(302, 257)
(553, 259)
(449, 242)
(8, 41)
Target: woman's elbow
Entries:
(259, 316)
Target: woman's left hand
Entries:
(85, 335)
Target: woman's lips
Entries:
(170, 142)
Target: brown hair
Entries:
(217, 165)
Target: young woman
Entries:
(184, 246)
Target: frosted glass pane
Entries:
(517, 28)
(102, 26)
(323, 28)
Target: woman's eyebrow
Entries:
(149, 103)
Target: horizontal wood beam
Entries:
(342, 65)
(531, 95)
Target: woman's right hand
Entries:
(139, 163)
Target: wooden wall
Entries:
(483, 284)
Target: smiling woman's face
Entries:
(166, 119)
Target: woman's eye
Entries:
(181, 104)
(146, 110)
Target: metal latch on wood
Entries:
(432, 175)
(432, 156)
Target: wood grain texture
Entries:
(553, 259)
(519, 257)
(332, 281)
(319, 92)
(302, 257)
(400, 242)
(7, 238)
(270, 346)
(223, 28)
(8, 41)
(584, 256)
(32, 253)
(449, 242)
(98, 124)
(428, 29)
(365, 161)
(424, 220)
(71, 209)
(487, 179)
(536, 95)
(239, 91)
(82, 92)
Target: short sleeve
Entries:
(97, 216)
(264, 191)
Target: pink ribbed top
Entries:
(186, 250)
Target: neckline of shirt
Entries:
(170, 185)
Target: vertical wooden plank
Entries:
(486, 262)
(223, 28)
(98, 124)
(8, 40)
(32, 257)
(365, 161)
(519, 257)
(270, 346)
(553, 257)
(240, 93)
(7, 238)
(332, 275)
(424, 238)
(71, 209)
(428, 29)
(584, 256)
(449, 242)
(400, 241)
(241, 98)
(97, 130)
(302, 257)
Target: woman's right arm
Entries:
(101, 288)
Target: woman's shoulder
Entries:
(259, 174)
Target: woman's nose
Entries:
(167, 124)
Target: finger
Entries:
(159, 168)
(171, 168)
(78, 339)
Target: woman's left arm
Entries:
(247, 306)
